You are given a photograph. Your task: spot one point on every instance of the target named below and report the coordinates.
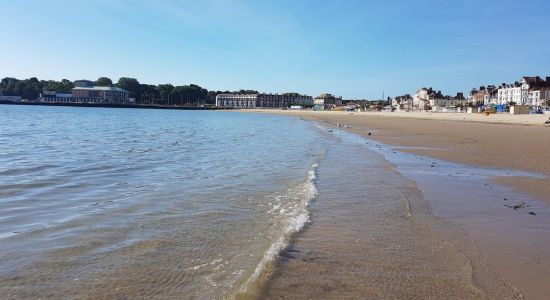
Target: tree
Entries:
(149, 93)
(104, 81)
(164, 91)
(247, 92)
(30, 89)
(7, 86)
(64, 86)
(132, 86)
(188, 95)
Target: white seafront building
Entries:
(243, 101)
(509, 93)
(237, 100)
(532, 91)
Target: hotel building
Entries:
(262, 100)
(236, 100)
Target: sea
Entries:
(101, 203)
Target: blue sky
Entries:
(356, 49)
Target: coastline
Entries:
(515, 142)
(511, 241)
(372, 235)
(109, 105)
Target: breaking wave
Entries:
(292, 205)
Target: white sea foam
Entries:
(296, 216)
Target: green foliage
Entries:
(165, 94)
(247, 92)
(164, 91)
(64, 86)
(104, 81)
(132, 85)
(30, 89)
(149, 93)
(188, 95)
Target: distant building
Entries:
(52, 96)
(529, 84)
(270, 101)
(262, 100)
(424, 98)
(297, 99)
(84, 83)
(528, 91)
(539, 97)
(403, 103)
(85, 92)
(429, 99)
(509, 93)
(10, 98)
(327, 101)
(100, 94)
(236, 100)
(483, 96)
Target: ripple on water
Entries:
(120, 203)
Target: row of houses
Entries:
(528, 91)
(428, 99)
(532, 91)
(86, 92)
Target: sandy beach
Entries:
(513, 243)
(518, 142)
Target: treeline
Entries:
(163, 94)
(31, 88)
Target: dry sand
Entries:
(518, 142)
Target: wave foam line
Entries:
(298, 217)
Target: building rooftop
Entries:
(100, 88)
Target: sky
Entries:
(350, 48)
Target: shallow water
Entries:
(99, 202)
(125, 203)
(372, 235)
(508, 249)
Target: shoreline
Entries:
(376, 237)
(104, 105)
(511, 241)
(511, 142)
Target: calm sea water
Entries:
(123, 203)
(110, 202)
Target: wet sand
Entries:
(517, 142)
(372, 236)
(512, 241)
